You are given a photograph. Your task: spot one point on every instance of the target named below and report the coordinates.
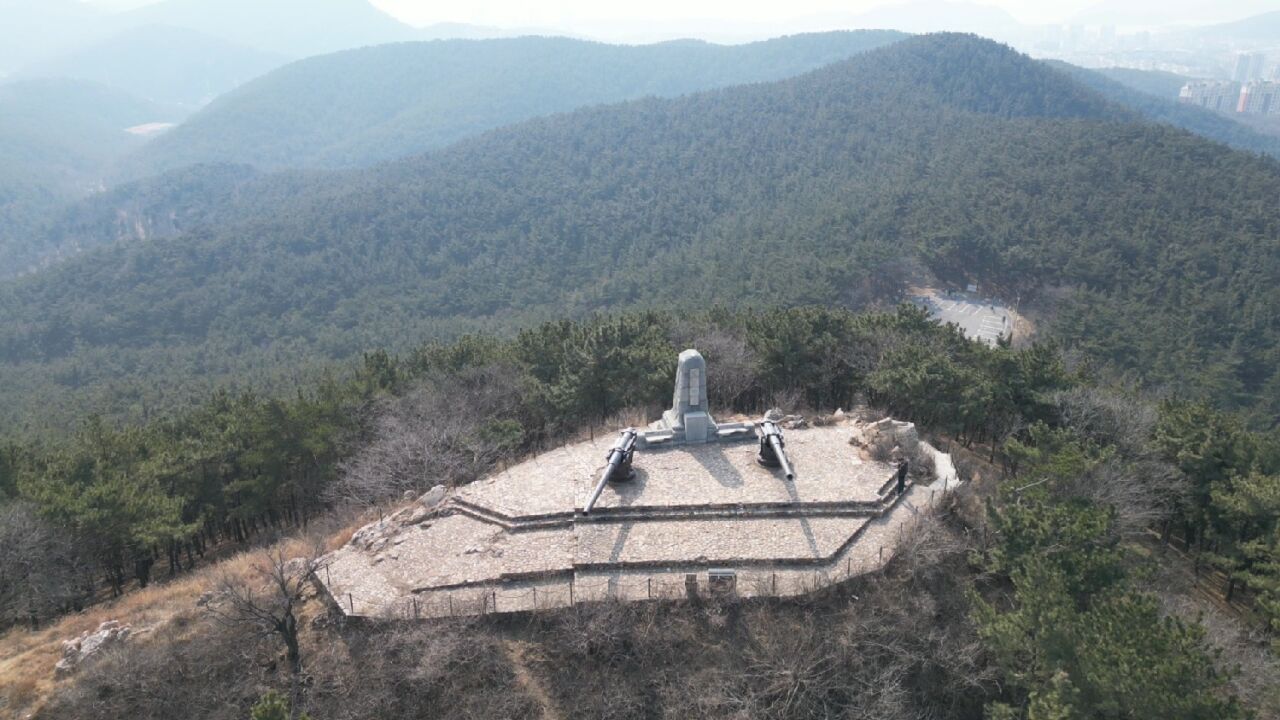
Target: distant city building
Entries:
(1260, 98)
(1249, 67)
(1212, 95)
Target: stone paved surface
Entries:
(715, 541)
(827, 470)
(454, 564)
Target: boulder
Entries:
(297, 567)
(78, 651)
(376, 535)
(433, 497)
(888, 433)
(370, 534)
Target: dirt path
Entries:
(516, 650)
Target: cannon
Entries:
(618, 467)
(772, 452)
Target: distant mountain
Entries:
(56, 139)
(1258, 30)
(1167, 13)
(364, 106)
(945, 153)
(462, 31)
(34, 29)
(163, 64)
(1162, 84)
(295, 28)
(923, 16)
(1200, 121)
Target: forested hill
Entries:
(946, 150)
(1159, 83)
(1136, 90)
(57, 138)
(162, 64)
(381, 103)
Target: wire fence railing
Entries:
(562, 589)
(622, 586)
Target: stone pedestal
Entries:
(689, 420)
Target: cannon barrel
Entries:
(618, 466)
(772, 452)
(776, 442)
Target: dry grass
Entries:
(343, 536)
(27, 657)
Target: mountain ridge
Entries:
(296, 28)
(827, 188)
(404, 99)
(165, 64)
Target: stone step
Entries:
(521, 524)
(659, 513)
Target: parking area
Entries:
(982, 319)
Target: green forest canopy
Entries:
(946, 150)
(359, 107)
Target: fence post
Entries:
(450, 596)
(495, 600)
(571, 602)
(327, 581)
(351, 603)
(649, 583)
(881, 554)
(535, 598)
(774, 580)
(415, 607)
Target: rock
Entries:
(77, 651)
(366, 536)
(838, 414)
(774, 414)
(297, 567)
(418, 515)
(886, 433)
(433, 497)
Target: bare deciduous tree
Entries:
(444, 432)
(1136, 482)
(268, 600)
(736, 367)
(39, 566)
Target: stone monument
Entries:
(689, 420)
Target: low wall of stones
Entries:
(866, 551)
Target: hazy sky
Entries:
(553, 12)
(568, 14)
(515, 12)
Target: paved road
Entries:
(979, 318)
